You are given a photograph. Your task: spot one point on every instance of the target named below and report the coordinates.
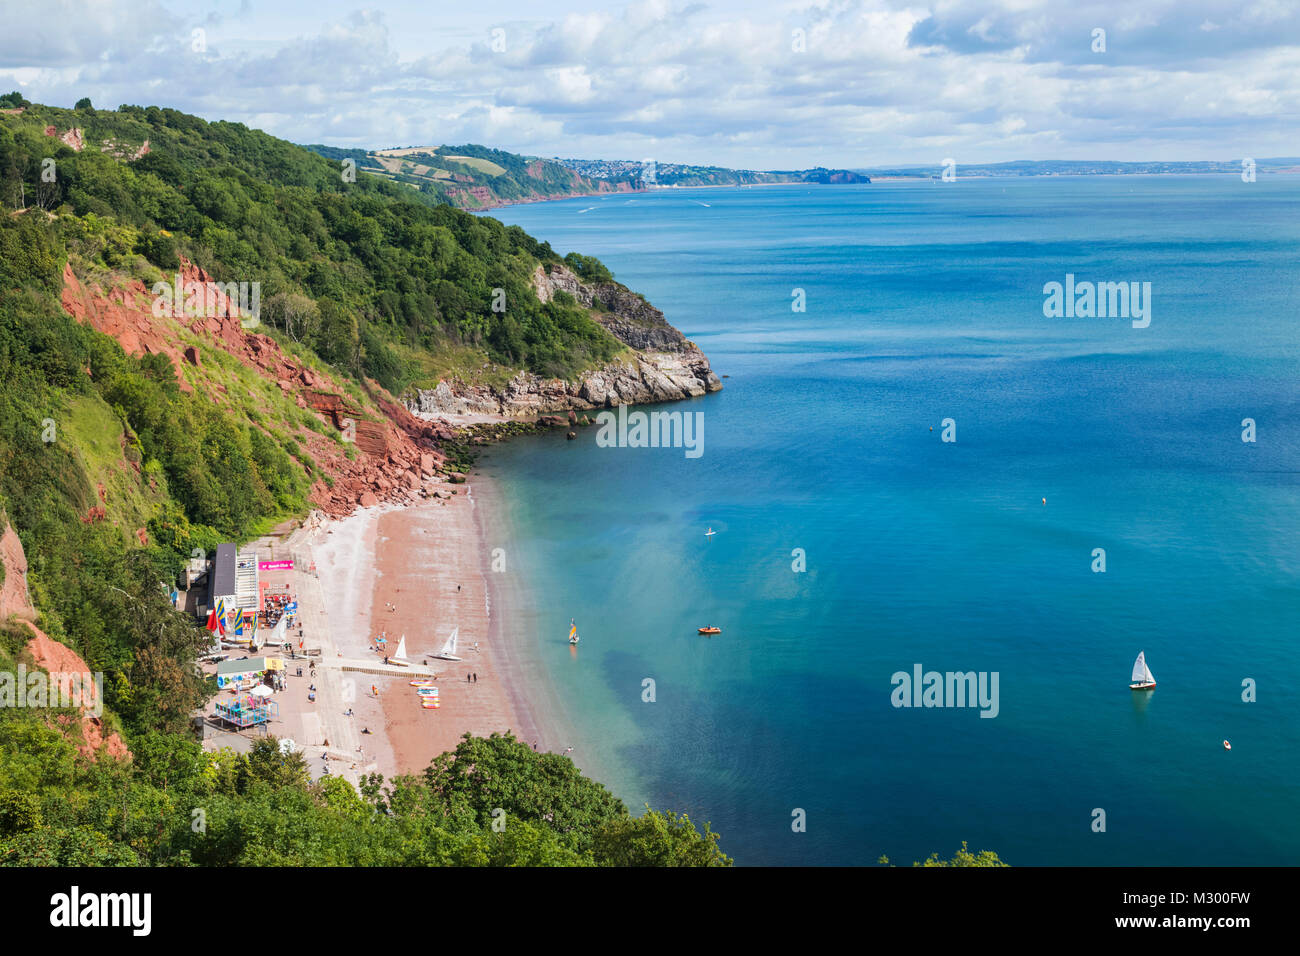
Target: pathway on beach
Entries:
(336, 690)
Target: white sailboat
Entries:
(399, 658)
(448, 652)
(1143, 679)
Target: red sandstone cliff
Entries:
(399, 452)
(49, 654)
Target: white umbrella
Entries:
(261, 690)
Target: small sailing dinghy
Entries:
(573, 632)
(448, 652)
(399, 658)
(1143, 679)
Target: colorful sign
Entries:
(275, 565)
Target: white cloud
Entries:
(880, 81)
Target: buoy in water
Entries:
(1227, 746)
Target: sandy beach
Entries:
(418, 571)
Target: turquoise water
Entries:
(925, 302)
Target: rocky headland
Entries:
(660, 364)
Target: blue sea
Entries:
(924, 303)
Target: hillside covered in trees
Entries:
(116, 464)
(373, 277)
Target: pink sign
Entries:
(275, 565)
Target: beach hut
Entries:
(221, 578)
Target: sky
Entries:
(754, 85)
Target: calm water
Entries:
(924, 302)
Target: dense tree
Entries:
(656, 839)
(962, 857)
(499, 776)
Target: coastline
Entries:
(609, 193)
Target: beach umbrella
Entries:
(261, 690)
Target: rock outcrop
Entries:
(13, 591)
(664, 366)
(74, 138)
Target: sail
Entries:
(573, 633)
(449, 649)
(1141, 673)
(401, 648)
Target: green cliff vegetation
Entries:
(494, 802)
(367, 275)
(963, 857)
(111, 475)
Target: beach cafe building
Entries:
(234, 586)
(248, 672)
